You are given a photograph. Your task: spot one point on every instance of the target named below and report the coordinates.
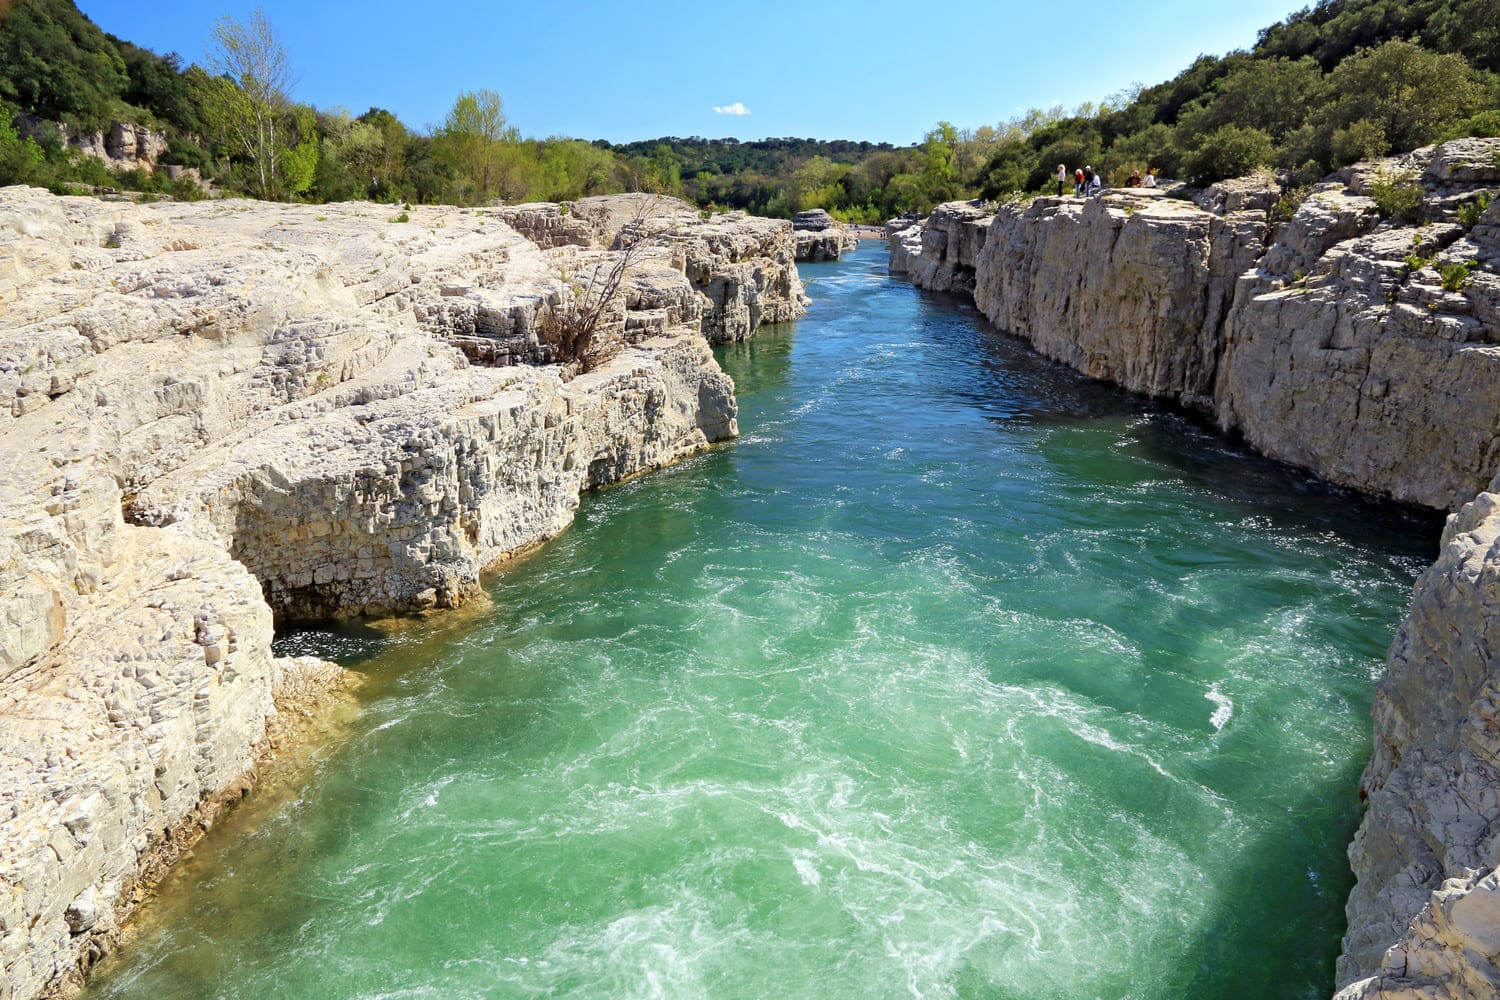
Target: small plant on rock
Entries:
(403, 217)
(1398, 197)
(1286, 206)
(1415, 261)
(1470, 214)
(1456, 277)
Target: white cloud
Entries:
(737, 108)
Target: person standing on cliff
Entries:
(1078, 180)
(1095, 185)
(1062, 178)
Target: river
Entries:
(955, 676)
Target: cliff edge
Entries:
(218, 415)
(1367, 350)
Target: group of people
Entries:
(1087, 183)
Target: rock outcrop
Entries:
(1367, 351)
(743, 267)
(217, 415)
(821, 237)
(1329, 341)
(1132, 289)
(1424, 919)
(942, 254)
(122, 146)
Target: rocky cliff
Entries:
(1424, 919)
(1328, 341)
(1368, 351)
(216, 415)
(821, 237)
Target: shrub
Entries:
(1286, 206)
(1363, 140)
(1415, 261)
(403, 217)
(1485, 125)
(1397, 197)
(1455, 277)
(1470, 214)
(184, 188)
(1229, 152)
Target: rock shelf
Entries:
(220, 415)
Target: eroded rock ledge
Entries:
(216, 415)
(1334, 341)
(821, 237)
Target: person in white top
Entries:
(1062, 177)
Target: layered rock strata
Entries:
(1367, 351)
(743, 267)
(216, 415)
(941, 253)
(1329, 341)
(1424, 919)
(821, 237)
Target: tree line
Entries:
(1339, 81)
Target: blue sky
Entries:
(883, 71)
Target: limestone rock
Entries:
(742, 267)
(945, 258)
(1132, 290)
(218, 413)
(122, 146)
(1426, 851)
(820, 237)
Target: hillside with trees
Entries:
(1337, 82)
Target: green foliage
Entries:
(1470, 214)
(1485, 125)
(1455, 277)
(1285, 207)
(1227, 152)
(1411, 93)
(403, 217)
(1397, 197)
(184, 188)
(473, 141)
(1363, 140)
(56, 64)
(1415, 261)
(21, 159)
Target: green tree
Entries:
(1411, 93)
(54, 63)
(939, 179)
(249, 100)
(1227, 152)
(470, 141)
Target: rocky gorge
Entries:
(1366, 350)
(221, 416)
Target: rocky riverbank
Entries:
(821, 237)
(1368, 351)
(219, 415)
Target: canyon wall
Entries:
(820, 237)
(218, 415)
(1367, 351)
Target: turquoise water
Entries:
(955, 676)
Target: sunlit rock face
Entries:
(1368, 351)
(220, 414)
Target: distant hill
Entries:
(1340, 81)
